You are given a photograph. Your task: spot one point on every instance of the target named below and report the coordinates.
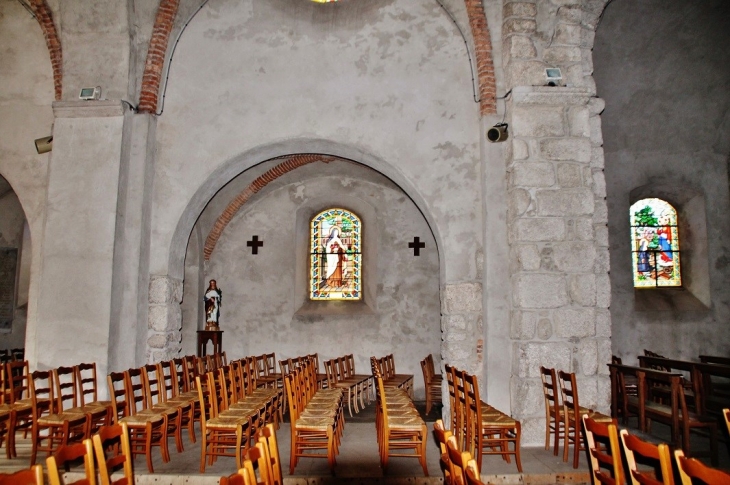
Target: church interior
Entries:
(504, 186)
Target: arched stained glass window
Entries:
(335, 266)
(655, 244)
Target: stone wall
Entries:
(557, 212)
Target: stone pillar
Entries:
(77, 243)
(164, 337)
(559, 253)
(461, 327)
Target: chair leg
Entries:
(422, 454)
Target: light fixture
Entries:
(44, 145)
(498, 133)
(88, 94)
(553, 76)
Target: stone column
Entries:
(461, 327)
(77, 244)
(164, 337)
(559, 254)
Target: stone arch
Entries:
(155, 62)
(43, 14)
(483, 53)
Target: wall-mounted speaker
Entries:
(44, 145)
(498, 133)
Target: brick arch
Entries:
(43, 14)
(155, 62)
(291, 163)
(483, 54)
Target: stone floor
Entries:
(357, 463)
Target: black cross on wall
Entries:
(416, 245)
(254, 244)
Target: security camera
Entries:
(497, 133)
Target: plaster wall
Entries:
(401, 102)
(265, 306)
(663, 69)
(26, 93)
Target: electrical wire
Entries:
(27, 7)
(172, 53)
(468, 52)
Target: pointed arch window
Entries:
(655, 244)
(335, 263)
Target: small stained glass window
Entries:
(655, 244)
(335, 265)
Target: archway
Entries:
(265, 306)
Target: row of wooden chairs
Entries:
(398, 424)
(316, 415)
(265, 454)
(563, 412)
(341, 374)
(432, 383)
(110, 447)
(458, 467)
(233, 409)
(479, 428)
(607, 463)
(57, 406)
(386, 367)
(288, 365)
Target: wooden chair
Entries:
(221, 435)
(400, 432)
(603, 451)
(472, 474)
(432, 383)
(554, 419)
(267, 438)
(336, 379)
(690, 468)
(88, 397)
(572, 412)
(458, 460)
(146, 429)
(442, 435)
(17, 397)
(449, 373)
(367, 384)
(52, 427)
(489, 431)
(31, 476)
(241, 477)
(659, 454)
(116, 439)
(70, 453)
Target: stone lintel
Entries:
(550, 95)
(88, 109)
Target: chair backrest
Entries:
(550, 391)
(726, 415)
(241, 477)
(152, 384)
(70, 453)
(66, 388)
(86, 381)
(472, 409)
(116, 438)
(449, 370)
(41, 393)
(190, 372)
(458, 460)
(472, 473)
(604, 452)
(258, 454)
(17, 374)
(442, 436)
(690, 468)
(117, 383)
(267, 437)
(30, 476)
(659, 454)
(569, 392)
(167, 380)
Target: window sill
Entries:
(667, 300)
(315, 308)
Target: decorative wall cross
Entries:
(254, 244)
(416, 245)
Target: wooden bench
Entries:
(651, 404)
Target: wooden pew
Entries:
(675, 413)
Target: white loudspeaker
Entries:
(44, 145)
(497, 133)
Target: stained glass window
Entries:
(655, 244)
(335, 266)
